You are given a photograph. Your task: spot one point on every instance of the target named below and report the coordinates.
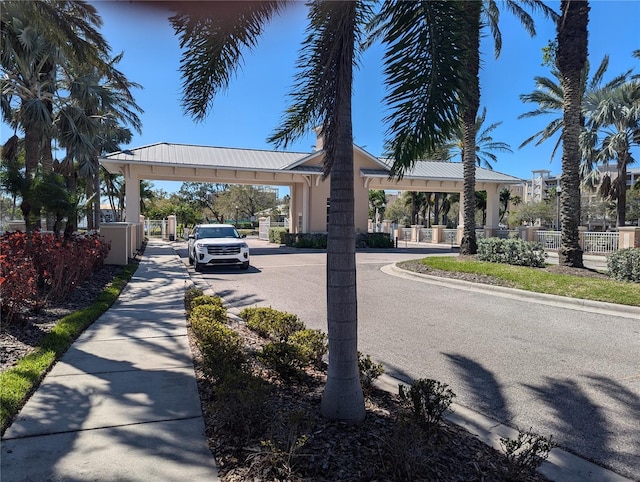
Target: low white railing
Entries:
(599, 243)
(590, 242)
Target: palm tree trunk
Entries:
(96, 190)
(470, 108)
(622, 189)
(32, 153)
(571, 57)
(342, 398)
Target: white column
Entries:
(305, 207)
(132, 198)
(493, 207)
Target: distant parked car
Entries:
(217, 244)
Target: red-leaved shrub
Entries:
(48, 267)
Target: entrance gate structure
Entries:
(301, 173)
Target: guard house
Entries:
(300, 172)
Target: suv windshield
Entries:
(221, 232)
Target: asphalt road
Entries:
(563, 371)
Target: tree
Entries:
(245, 201)
(202, 198)
(485, 145)
(616, 111)
(471, 95)
(549, 97)
(571, 58)
(377, 203)
(47, 49)
(533, 213)
(505, 198)
(39, 39)
(213, 45)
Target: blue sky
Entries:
(248, 112)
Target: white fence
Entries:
(266, 224)
(590, 242)
(155, 228)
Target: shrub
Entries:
(47, 266)
(511, 251)
(313, 345)
(204, 300)
(189, 295)
(369, 371)
(270, 323)
(277, 235)
(239, 403)
(526, 453)
(208, 312)
(285, 358)
(624, 265)
(374, 240)
(427, 400)
(17, 277)
(222, 350)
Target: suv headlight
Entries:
(200, 245)
(244, 245)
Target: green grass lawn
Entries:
(540, 281)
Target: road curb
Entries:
(560, 465)
(601, 307)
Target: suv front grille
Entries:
(223, 250)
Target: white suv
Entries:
(212, 244)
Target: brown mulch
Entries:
(291, 441)
(19, 338)
(384, 447)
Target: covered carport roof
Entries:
(182, 162)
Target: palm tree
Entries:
(37, 39)
(464, 38)
(471, 95)
(548, 95)
(571, 58)
(91, 122)
(616, 111)
(485, 145)
(213, 37)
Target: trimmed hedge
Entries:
(511, 251)
(624, 265)
(270, 323)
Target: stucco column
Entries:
(629, 237)
(132, 198)
(493, 211)
(305, 207)
(172, 226)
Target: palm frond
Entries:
(423, 94)
(213, 39)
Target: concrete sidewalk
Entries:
(122, 403)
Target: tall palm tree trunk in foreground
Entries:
(571, 57)
(342, 398)
(470, 108)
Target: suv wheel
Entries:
(245, 265)
(198, 267)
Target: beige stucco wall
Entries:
(319, 193)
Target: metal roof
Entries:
(447, 171)
(164, 153)
(187, 155)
